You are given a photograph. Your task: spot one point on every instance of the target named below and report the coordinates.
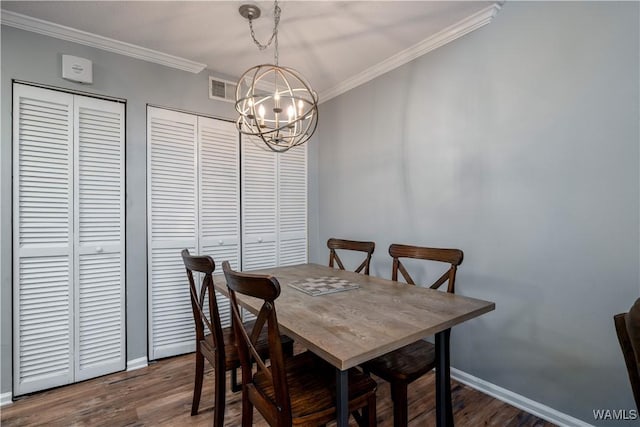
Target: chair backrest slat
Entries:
(248, 351)
(453, 257)
(350, 245)
(266, 288)
(445, 276)
(206, 266)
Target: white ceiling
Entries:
(332, 43)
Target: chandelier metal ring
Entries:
(277, 105)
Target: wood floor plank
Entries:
(160, 395)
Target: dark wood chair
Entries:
(213, 342)
(299, 390)
(350, 245)
(628, 330)
(405, 365)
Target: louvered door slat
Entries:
(172, 319)
(42, 210)
(274, 208)
(219, 209)
(99, 225)
(259, 207)
(172, 226)
(292, 207)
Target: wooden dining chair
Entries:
(628, 331)
(405, 365)
(350, 245)
(213, 342)
(299, 390)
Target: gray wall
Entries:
(31, 57)
(519, 144)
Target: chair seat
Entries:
(232, 359)
(405, 364)
(312, 388)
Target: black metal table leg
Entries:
(342, 398)
(444, 408)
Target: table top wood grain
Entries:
(348, 328)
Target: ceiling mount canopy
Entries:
(249, 11)
(275, 104)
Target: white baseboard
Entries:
(520, 402)
(6, 398)
(138, 363)
(132, 365)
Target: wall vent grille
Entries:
(222, 90)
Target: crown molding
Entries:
(447, 35)
(50, 29)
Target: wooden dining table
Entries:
(350, 327)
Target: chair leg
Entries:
(370, 411)
(360, 419)
(400, 404)
(220, 381)
(368, 418)
(247, 410)
(235, 387)
(197, 388)
(287, 349)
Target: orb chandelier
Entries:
(275, 104)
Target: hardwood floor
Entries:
(160, 395)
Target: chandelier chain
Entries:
(274, 35)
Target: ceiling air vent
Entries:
(222, 90)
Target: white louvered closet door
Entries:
(68, 238)
(274, 207)
(219, 197)
(42, 239)
(259, 207)
(172, 226)
(99, 237)
(292, 207)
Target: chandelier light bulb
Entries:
(276, 101)
(261, 114)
